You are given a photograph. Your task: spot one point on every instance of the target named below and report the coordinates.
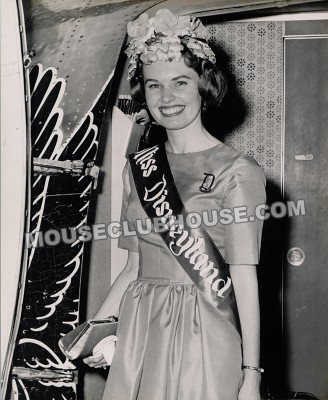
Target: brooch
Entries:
(207, 183)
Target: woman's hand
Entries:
(250, 388)
(102, 353)
(97, 361)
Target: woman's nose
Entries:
(167, 94)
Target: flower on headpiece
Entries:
(149, 57)
(139, 27)
(166, 22)
(135, 47)
(198, 30)
(170, 39)
(200, 49)
(160, 38)
(174, 55)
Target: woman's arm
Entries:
(110, 305)
(244, 278)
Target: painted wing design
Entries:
(59, 205)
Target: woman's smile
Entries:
(172, 95)
(171, 111)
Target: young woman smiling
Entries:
(178, 338)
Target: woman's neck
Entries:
(192, 138)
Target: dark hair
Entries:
(212, 84)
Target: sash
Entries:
(193, 248)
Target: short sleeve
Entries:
(245, 191)
(127, 242)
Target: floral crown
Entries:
(160, 38)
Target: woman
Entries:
(173, 343)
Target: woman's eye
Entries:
(181, 83)
(153, 86)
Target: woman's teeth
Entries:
(168, 111)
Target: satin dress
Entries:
(172, 343)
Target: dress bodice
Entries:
(211, 183)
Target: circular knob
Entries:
(295, 256)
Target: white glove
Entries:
(106, 347)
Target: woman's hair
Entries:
(212, 85)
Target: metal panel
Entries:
(305, 279)
(226, 8)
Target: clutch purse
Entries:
(80, 342)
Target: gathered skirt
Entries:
(173, 345)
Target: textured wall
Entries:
(255, 59)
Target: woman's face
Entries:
(172, 96)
